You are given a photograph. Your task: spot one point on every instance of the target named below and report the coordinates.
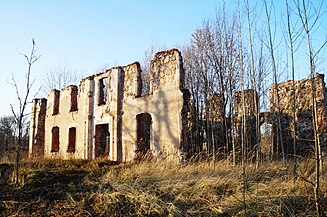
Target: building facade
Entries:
(107, 116)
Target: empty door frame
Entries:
(102, 141)
(143, 135)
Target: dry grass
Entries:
(161, 188)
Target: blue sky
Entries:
(88, 35)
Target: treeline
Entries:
(8, 136)
(231, 62)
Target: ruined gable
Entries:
(166, 68)
(132, 80)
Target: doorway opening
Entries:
(102, 139)
(143, 135)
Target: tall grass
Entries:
(158, 188)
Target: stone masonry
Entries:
(107, 117)
(269, 145)
(304, 102)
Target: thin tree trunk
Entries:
(232, 123)
(243, 114)
(18, 153)
(32, 58)
(253, 80)
(271, 49)
(304, 19)
(291, 41)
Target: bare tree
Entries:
(60, 77)
(292, 36)
(309, 21)
(212, 65)
(197, 81)
(23, 98)
(255, 84)
(145, 74)
(7, 132)
(271, 48)
(243, 119)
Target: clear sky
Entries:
(89, 34)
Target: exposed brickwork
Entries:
(304, 125)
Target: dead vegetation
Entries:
(102, 188)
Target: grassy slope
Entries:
(98, 188)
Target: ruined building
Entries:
(107, 116)
(225, 133)
(303, 117)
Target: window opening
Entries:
(71, 140)
(103, 91)
(55, 140)
(73, 99)
(56, 102)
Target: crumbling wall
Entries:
(166, 68)
(304, 101)
(248, 117)
(164, 104)
(110, 113)
(103, 116)
(167, 102)
(61, 117)
(37, 128)
(214, 124)
(187, 121)
(132, 80)
(215, 108)
(249, 104)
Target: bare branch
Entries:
(19, 116)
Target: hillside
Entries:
(101, 188)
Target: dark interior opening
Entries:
(55, 139)
(71, 140)
(56, 102)
(143, 137)
(103, 91)
(73, 99)
(102, 139)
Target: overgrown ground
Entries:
(100, 188)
